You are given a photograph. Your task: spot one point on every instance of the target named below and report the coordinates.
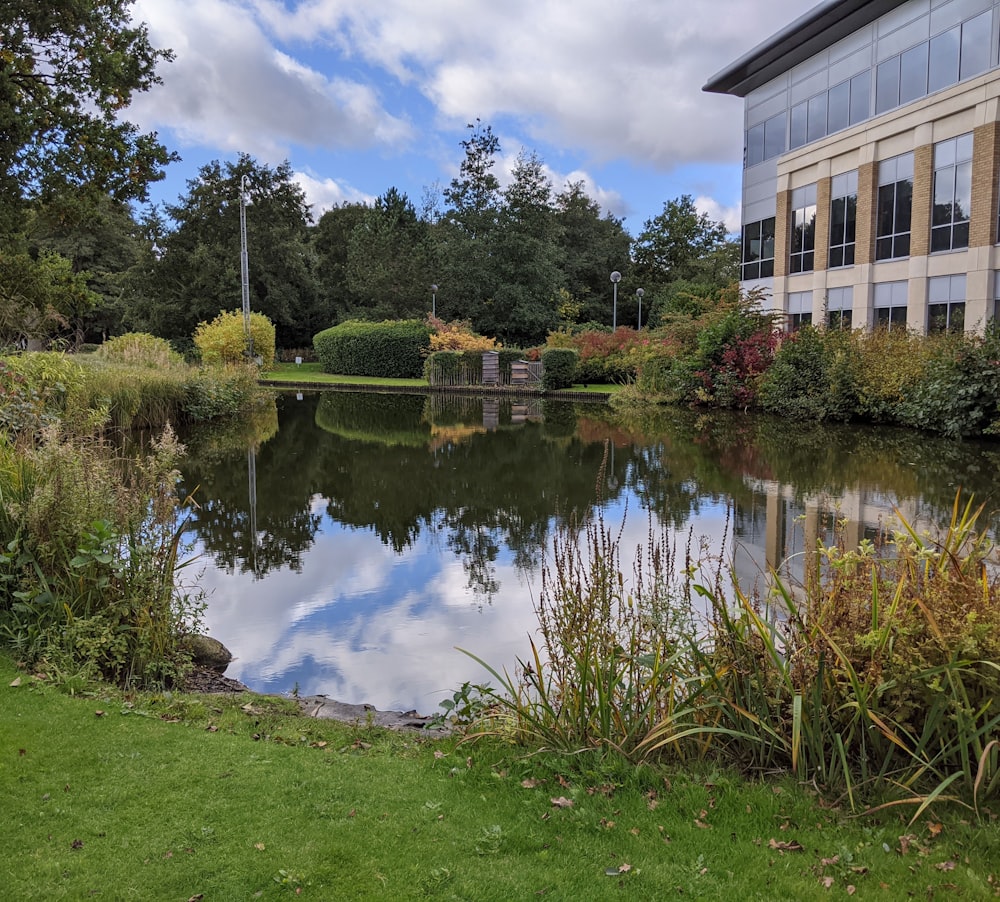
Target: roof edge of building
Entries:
(813, 31)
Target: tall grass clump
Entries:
(89, 552)
(878, 677)
(610, 651)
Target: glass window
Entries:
(803, 229)
(817, 117)
(799, 310)
(890, 305)
(976, 45)
(839, 302)
(861, 89)
(755, 145)
(894, 205)
(843, 219)
(758, 249)
(838, 114)
(946, 304)
(944, 54)
(913, 74)
(774, 136)
(797, 131)
(887, 85)
(952, 194)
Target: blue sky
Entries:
(363, 95)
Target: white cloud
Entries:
(728, 216)
(324, 193)
(229, 87)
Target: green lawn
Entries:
(311, 373)
(181, 797)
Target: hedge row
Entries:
(388, 349)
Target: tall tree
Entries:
(525, 306)
(67, 69)
(591, 247)
(100, 238)
(467, 231)
(197, 273)
(682, 252)
(389, 260)
(331, 237)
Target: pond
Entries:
(349, 542)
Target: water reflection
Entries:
(387, 529)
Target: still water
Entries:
(348, 542)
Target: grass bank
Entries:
(312, 374)
(118, 796)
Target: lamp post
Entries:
(434, 300)
(639, 293)
(245, 266)
(616, 277)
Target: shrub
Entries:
(140, 349)
(559, 368)
(958, 391)
(224, 339)
(805, 380)
(391, 349)
(457, 336)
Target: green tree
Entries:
(197, 271)
(331, 238)
(525, 303)
(467, 231)
(389, 260)
(683, 253)
(591, 247)
(98, 236)
(67, 69)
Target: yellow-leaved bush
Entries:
(224, 339)
(457, 336)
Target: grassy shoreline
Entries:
(311, 374)
(127, 796)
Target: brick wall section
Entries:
(864, 248)
(782, 239)
(823, 190)
(985, 190)
(923, 186)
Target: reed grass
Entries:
(878, 678)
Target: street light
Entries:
(639, 293)
(434, 300)
(616, 277)
(245, 266)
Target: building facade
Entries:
(871, 181)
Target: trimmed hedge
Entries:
(560, 368)
(393, 349)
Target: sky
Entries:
(360, 96)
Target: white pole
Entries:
(245, 266)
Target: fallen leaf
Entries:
(530, 783)
(782, 846)
(606, 824)
(563, 782)
(905, 841)
(438, 754)
(826, 862)
(98, 714)
(562, 802)
(634, 831)
(259, 846)
(698, 822)
(197, 897)
(21, 753)
(212, 728)
(945, 866)
(827, 882)
(624, 868)
(851, 889)
(934, 828)
(16, 683)
(76, 844)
